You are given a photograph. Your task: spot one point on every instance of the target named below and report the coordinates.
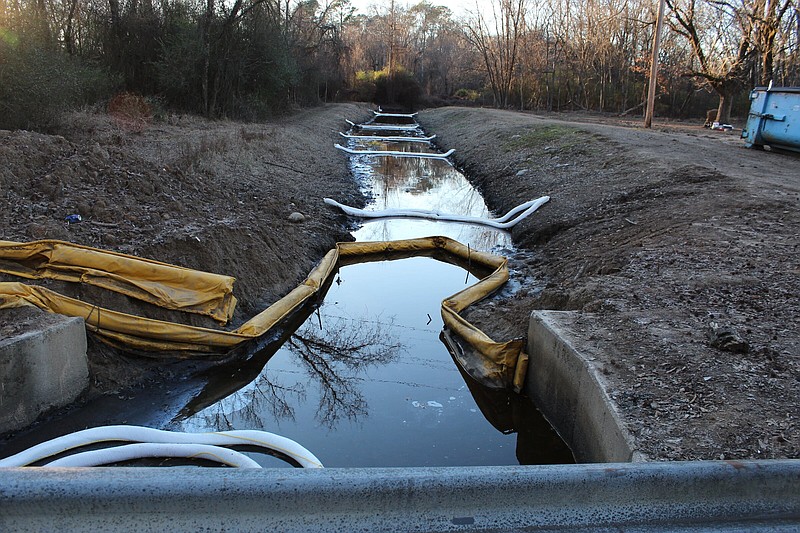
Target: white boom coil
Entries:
(385, 127)
(395, 115)
(388, 138)
(507, 221)
(128, 452)
(156, 437)
(395, 153)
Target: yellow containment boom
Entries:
(498, 365)
(161, 284)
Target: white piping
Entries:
(384, 127)
(137, 451)
(396, 115)
(390, 139)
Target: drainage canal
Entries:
(362, 378)
(366, 380)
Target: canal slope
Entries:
(241, 199)
(673, 253)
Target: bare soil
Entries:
(209, 195)
(676, 248)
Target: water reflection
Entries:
(334, 358)
(432, 184)
(332, 352)
(362, 390)
(359, 387)
(351, 394)
(537, 442)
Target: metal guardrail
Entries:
(684, 496)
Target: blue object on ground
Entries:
(774, 118)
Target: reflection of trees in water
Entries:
(264, 395)
(276, 396)
(486, 238)
(509, 412)
(418, 175)
(478, 237)
(333, 357)
(443, 187)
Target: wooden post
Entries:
(651, 92)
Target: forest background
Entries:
(251, 59)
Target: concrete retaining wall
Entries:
(40, 370)
(566, 387)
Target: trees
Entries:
(768, 17)
(725, 36)
(249, 58)
(498, 42)
(586, 55)
(580, 54)
(434, 47)
(786, 66)
(240, 58)
(593, 54)
(38, 80)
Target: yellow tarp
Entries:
(501, 364)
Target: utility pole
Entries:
(392, 30)
(651, 91)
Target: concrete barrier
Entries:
(692, 496)
(566, 387)
(40, 369)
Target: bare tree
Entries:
(335, 357)
(767, 18)
(432, 46)
(725, 36)
(499, 41)
(786, 67)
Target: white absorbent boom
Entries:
(507, 221)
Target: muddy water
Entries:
(366, 381)
(361, 377)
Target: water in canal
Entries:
(366, 380)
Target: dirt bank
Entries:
(215, 196)
(677, 250)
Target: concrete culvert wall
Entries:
(565, 387)
(42, 368)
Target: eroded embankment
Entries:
(210, 195)
(666, 264)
